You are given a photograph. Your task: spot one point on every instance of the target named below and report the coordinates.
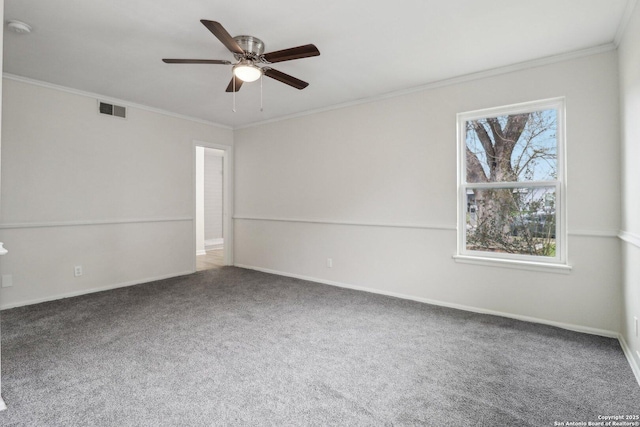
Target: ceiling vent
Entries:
(112, 110)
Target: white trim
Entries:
(227, 203)
(593, 233)
(629, 354)
(201, 252)
(216, 152)
(629, 237)
(340, 222)
(110, 100)
(93, 290)
(92, 222)
(569, 326)
(624, 21)
(513, 263)
(520, 107)
(572, 327)
(213, 244)
(581, 233)
(3, 406)
(511, 184)
(447, 82)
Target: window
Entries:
(511, 183)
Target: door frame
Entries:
(227, 199)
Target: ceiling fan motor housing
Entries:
(253, 47)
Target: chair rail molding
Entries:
(92, 222)
(629, 237)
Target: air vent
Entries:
(112, 110)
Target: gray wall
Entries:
(373, 186)
(81, 188)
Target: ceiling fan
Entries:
(249, 54)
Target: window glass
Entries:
(511, 182)
(512, 220)
(512, 148)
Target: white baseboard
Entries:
(201, 252)
(569, 326)
(93, 290)
(577, 328)
(3, 406)
(630, 357)
(212, 244)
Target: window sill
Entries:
(517, 264)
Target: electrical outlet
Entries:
(77, 271)
(329, 262)
(7, 280)
(635, 322)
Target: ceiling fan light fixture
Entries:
(246, 71)
(18, 27)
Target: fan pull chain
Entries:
(233, 79)
(261, 76)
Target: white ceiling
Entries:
(368, 48)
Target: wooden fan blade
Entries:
(196, 61)
(285, 78)
(305, 51)
(238, 84)
(218, 30)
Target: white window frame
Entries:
(529, 262)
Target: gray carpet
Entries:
(239, 347)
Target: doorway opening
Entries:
(211, 226)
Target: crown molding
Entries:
(110, 100)
(624, 21)
(422, 88)
(449, 82)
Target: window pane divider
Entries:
(510, 184)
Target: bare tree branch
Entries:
(496, 130)
(514, 128)
(475, 172)
(485, 139)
